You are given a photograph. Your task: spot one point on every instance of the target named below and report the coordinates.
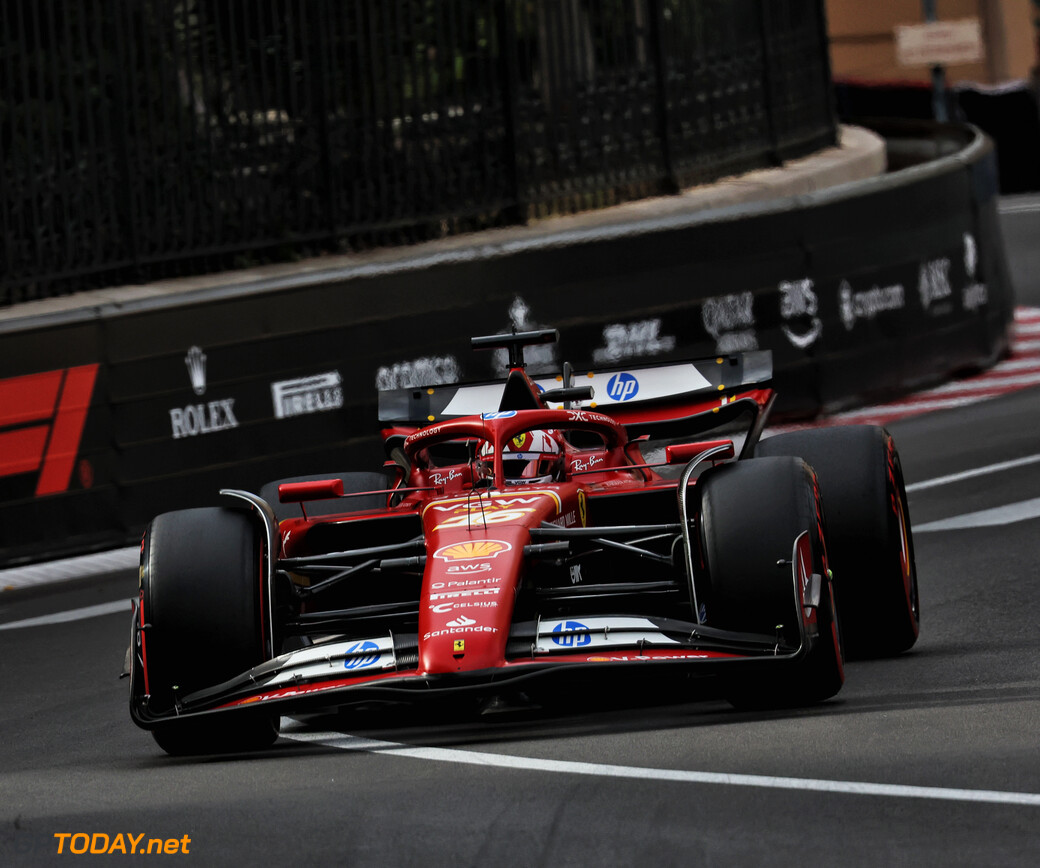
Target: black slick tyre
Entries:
(201, 582)
(869, 541)
(751, 513)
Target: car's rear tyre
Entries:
(869, 542)
(751, 513)
(202, 598)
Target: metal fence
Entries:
(150, 138)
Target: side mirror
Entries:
(319, 489)
(681, 453)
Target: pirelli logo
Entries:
(41, 423)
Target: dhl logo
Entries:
(41, 423)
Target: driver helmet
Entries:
(531, 458)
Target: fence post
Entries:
(766, 30)
(823, 46)
(118, 29)
(669, 181)
(505, 14)
(320, 76)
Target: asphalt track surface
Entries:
(930, 758)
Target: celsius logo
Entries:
(361, 654)
(567, 634)
(622, 387)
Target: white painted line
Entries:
(970, 474)
(857, 788)
(908, 407)
(72, 615)
(998, 515)
(992, 380)
(69, 568)
(1018, 207)
(1019, 363)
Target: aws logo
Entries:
(41, 423)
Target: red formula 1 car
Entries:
(526, 535)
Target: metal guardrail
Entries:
(150, 138)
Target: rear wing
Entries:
(631, 395)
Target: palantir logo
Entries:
(571, 634)
(41, 423)
(361, 654)
(622, 387)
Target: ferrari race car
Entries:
(531, 533)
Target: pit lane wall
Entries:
(112, 413)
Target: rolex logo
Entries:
(196, 362)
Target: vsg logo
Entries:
(622, 387)
(361, 654)
(567, 634)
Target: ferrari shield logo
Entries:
(460, 646)
(583, 508)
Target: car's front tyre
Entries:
(202, 609)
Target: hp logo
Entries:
(361, 658)
(622, 387)
(565, 634)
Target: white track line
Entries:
(970, 474)
(856, 788)
(69, 568)
(72, 615)
(995, 517)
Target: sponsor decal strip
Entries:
(340, 741)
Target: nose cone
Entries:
(474, 565)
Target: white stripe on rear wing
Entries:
(614, 386)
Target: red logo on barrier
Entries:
(41, 422)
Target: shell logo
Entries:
(471, 551)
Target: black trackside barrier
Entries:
(147, 140)
(1008, 113)
(112, 414)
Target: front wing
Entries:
(337, 673)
